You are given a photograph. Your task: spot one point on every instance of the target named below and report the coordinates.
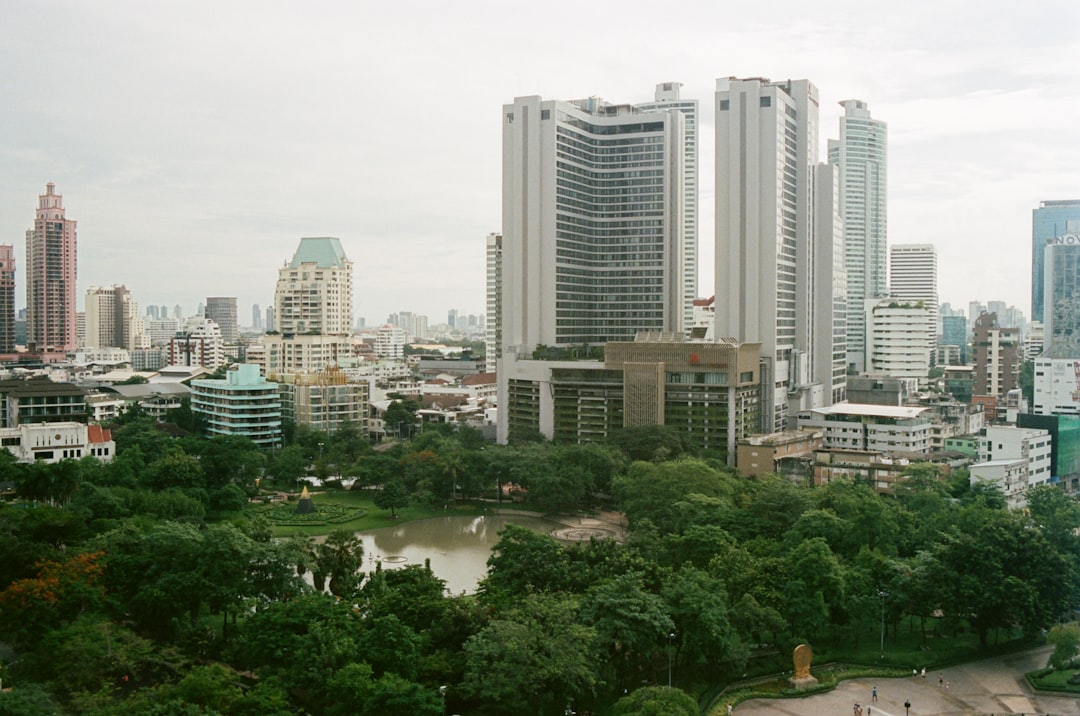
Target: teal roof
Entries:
(323, 251)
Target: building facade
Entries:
(997, 358)
(913, 278)
(493, 302)
(774, 280)
(667, 96)
(861, 154)
(222, 311)
(592, 223)
(898, 342)
(199, 343)
(314, 290)
(1061, 298)
(50, 277)
(1052, 220)
(244, 404)
(7, 299)
(884, 428)
(113, 320)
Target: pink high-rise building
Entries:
(7, 298)
(50, 277)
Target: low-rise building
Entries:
(883, 428)
(1011, 476)
(324, 400)
(789, 453)
(244, 403)
(1005, 442)
(53, 442)
(40, 400)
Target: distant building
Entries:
(222, 311)
(898, 338)
(113, 320)
(244, 403)
(954, 333)
(390, 342)
(40, 400)
(493, 329)
(913, 278)
(324, 400)
(200, 343)
(1061, 295)
(314, 290)
(1057, 386)
(50, 277)
(789, 453)
(7, 299)
(56, 441)
(997, 359)
(1052, 220)
(299, 353)
(1014, 460)
(871, 427)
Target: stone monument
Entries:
(802, 657)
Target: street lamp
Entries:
(671, 643)
(883, 594)
(907, 707)
(442, 693)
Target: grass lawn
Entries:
(367, 515)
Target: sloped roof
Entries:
(479, 379)
(323, 251)
(95, 434)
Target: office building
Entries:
(861, 154)
(7, 299)
(954, 333)
(113, 320)
(667, 97)
(1061, 298)
(271, 319)
(1052, 220)
(314, 290)
(50, 277)
(222, 311)
(256, 317)
(776, 283)
(493, 271)
(913, 279)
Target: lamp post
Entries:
(442, 694)
(883, 594)
(907, 707)
(671, 644)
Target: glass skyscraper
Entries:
(1051, 220)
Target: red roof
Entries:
(479, 379)
(95, 435)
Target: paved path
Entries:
(992, 686)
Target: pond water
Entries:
(458, 546)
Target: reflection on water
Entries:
(458, 546)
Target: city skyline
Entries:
(194, 157)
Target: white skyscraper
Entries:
(593, 235)
(861, 153)
(667, 97)
(774, 285)
(913, 278)
(113, 320)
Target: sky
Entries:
(195, 142)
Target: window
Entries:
(509, 117)
(766, 101)
(725, 105)
(545, 114)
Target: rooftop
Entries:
(865, 410)
(323, 251)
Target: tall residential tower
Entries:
(1053, 219)
(50, 277)
(861, 154)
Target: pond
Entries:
(458, 546)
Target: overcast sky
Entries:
(196, 142)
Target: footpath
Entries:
(990, 686)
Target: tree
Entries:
(652, 443)
(288, 464)
(392, 496)
(631, 623)
(697, 604)
(523, 562)
(1066, 641)
(534, 659)
(656, 701)
(338, 558)
(400, 417)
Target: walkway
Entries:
(991, 686)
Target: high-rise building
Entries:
(1053, 219)
(954, 333)
(113, 320)
(7, 298)
(913, 279)
(897, 342)
(997, 357)
(774, 284)
(256, 317)
(199, 343)
(667, 97)
(1061, 298)
(861, 153)
(592, 222)
(314, 290)
(493, 329)
(222, 311)
(271, 320)
(50, 276)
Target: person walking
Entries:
(873, 694)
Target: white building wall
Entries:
(1057, 386)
